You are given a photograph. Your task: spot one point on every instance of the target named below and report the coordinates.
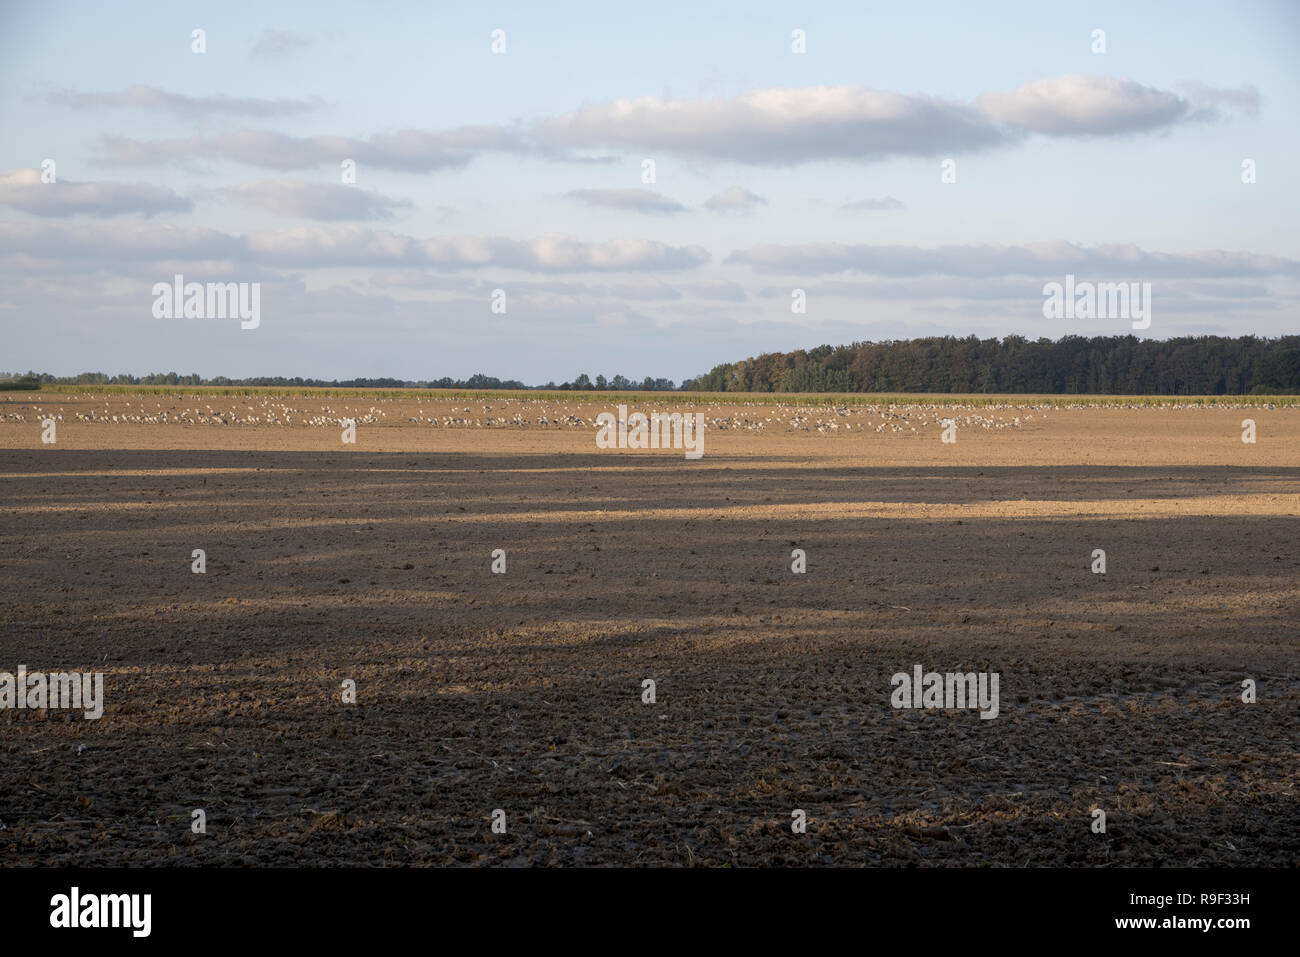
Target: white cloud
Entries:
(873, 205)
(106, 244)
(1211, 101)
(1078, 104)
(1051, 258)
(22, 189)
(275, 44)
(317, 247)
(788, 125)
(636, 200)
(322, 201)
(406, 150)
(734, 199)
(777, 126)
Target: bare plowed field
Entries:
(372, 562)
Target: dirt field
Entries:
(522, 691)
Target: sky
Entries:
(644, 189)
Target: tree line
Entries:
(1101, 365)
(478, 381)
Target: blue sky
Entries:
(522, 171)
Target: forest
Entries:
(1102, 365)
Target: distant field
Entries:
(689, 398)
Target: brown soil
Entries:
(522, 691)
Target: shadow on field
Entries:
(716, 481)
(325, 547)
(523, 690)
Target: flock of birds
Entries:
(522, 413)
(269, 414)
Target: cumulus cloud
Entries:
(1078, 104)
(930, 288)
(551, 253)
(789, 125)
(322, 201)
(412, 151)
(1211, 101)
(123, 242)
(140, 96)
(777, 126)
(320, 247)
(1051, 258)
(22, 189)
(872, 205)
(636, 200)
(274, 44)
(780, 126)
(734, 199)
(633, 289)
